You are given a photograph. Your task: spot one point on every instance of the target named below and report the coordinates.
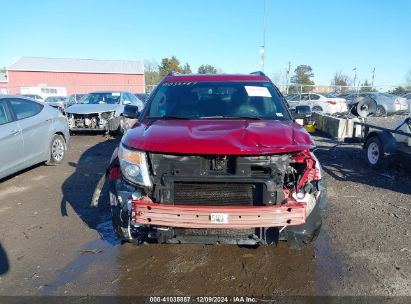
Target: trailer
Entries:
(381, 144)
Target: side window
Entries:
(304, 97)
(5, 116)
(132, 98)
(136, 102)
(126, 98)
(314, 97)
(25, 108)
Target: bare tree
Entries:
(278, 78)
(341, 81)
(408, 81)
(151, 74)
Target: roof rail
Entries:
(173, 73)
(258, 73)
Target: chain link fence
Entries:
(336, 89)
(67, 90)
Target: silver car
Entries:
(57, 102)
(101, 111)
(31, 132)
(386, 103)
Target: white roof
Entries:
(42, 64)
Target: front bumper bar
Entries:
(149, 213)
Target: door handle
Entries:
(15, 132)
(48, 119)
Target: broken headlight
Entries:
(134, 166)
(107, 115)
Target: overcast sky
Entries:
(328, 35)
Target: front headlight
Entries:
(134, 166)
(107, 115)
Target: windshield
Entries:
(330, 96)
(220, 100)
(55, 99)
(101, 98)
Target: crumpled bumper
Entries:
(144, 212)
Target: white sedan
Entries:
(325, 103)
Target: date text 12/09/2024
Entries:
(207, 299)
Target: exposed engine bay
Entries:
(95, 121)
(181, 182)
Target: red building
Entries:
(3, 83)
(75, 75)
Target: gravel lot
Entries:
(53, 243)
(390, 122)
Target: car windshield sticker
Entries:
(174, 84)
(279, 114)
(257, 91)
(115, 94)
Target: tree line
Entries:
(155, 72)
(300, 81)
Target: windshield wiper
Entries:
(231, 117)
(167, 117)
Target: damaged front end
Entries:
(106, 121)
(232, 199)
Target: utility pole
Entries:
(373, 78)
(355, 76)
(287, 77)
(262, 49)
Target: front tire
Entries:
(57, 150)
(121, 129)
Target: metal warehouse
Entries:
(69, 76)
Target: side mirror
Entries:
(131, 111)
(302, 112)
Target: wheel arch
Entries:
(53, 134)
(388, 141)
(62, 134)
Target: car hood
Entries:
(91, 108)
(242, 137)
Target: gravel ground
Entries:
(52, 243)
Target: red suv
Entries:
(216, 159)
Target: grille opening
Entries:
(260, 171)
(218, 194)
(231, 165)
(213, 232)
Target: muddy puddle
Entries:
(104, 266)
